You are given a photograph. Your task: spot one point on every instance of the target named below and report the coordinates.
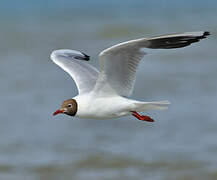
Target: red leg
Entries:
(142, 118)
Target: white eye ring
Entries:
(69, 105)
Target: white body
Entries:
(103, 107)
(102, 93)
(92, 107)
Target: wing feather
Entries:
(118, 64)
(83, 74)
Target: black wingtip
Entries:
(86, 57)
(206, 33)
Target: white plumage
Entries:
(102, 94)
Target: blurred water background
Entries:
(180, 145)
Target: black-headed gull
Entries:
(103, 94)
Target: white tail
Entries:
(155, 105)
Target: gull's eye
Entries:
(69, 105)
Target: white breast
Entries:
(92, 107)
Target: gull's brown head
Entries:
(68, 107)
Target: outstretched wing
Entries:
(118, 64)
(83, 74)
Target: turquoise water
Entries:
(180, 145)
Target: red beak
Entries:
(58, 112)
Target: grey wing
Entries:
(71, 61)
(118, 64)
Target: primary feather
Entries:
(118, 64)
(83, 74)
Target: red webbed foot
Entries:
(142, 118)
